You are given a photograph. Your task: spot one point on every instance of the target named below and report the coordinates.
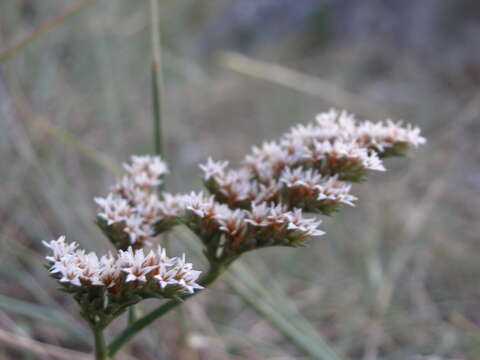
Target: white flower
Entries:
(412, 136)
(172, 205)
(270, 151)
(301, 132)
(267, 159)
(133, 202)
(213, 168)
(201, 205)
(267, 193)
(277, 213)
(136, 221)
(59, 248)
(382, 135)
(300, 177)
(351, 150)
(146, 180)
(139, 164)
(265, 172)
(109, 271)
(340, 126)
(371, 160)
(185, 276)
(165, 277)
(154, 166)
(308, 226)
(113, 209)
(134, 263)
(163, 259)
(188, 281)
(294, 149)
(280, 217)
(136, 229)
(70, 273)
(89, 265)
(125, 187)
(326, 188)
(341, 123)
(66, 260)
(257, 216)
(264, 215)
(335, 190)
(139, 195)
(235, 185)
(178, 273)
(157, 167)
(144, 172)
(85, 270)
(149, 210)
(232, 223)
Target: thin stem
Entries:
(157, 77)
(216, 269)
(157, 90)
(132, 314)
(101, 349)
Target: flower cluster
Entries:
(262, 203)
(259, 204)
(337, 144)
(341, 126)
(308, 190)
(230, 232)
(128, 214)
(125, 278)
(309, 166)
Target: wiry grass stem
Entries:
(302, 82)
(157, 104)
(157, 78)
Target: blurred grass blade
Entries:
(314, 347)
(278, 300)
(43, 314)
(305, 83)
(75, 142)
(43, 350)
(42, 30)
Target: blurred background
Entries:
(397, 277)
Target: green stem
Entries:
(101, 349)
(216, 269)
(132, 314)
(157, 77)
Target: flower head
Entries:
(60, 248)
(129, 214)
(136, 264)
(85, 271)
(213, 168)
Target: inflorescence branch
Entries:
(260, 204)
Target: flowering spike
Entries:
(129, 214)
(127, 277)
